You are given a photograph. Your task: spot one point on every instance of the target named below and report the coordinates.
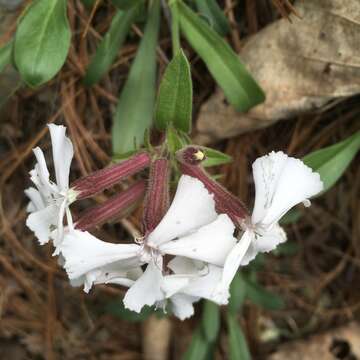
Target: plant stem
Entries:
(175, 31)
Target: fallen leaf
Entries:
(301, 65)
(340, 343)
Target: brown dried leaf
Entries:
(341, 343)
(301, 66)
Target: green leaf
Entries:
(42, 41)
(214, 157)
(199, 348)
(212, 11)
(175, 30)
(109, 46)
(262, 297)
(88, 3)
(174, 103)
(240, 89)
(124, 4)
(287, 249)
(332, 161)
(5, 55)
(210, 321)
(136, 103)
(237, 294)
(117, 309)
(237, 341)
(291, 217)
(175, 140)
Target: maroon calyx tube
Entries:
(157, 198)
(102, 179)
(190, 159)
(111, 208)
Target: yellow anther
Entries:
(199, 155)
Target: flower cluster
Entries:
(189, 249)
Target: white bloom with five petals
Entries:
(191, 230)
(49, 201)
(281, 182)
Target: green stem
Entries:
(175, 30)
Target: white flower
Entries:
(281, 182)
(191, 229)
(49, 201)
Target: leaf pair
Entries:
(174, 103)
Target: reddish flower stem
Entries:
(225, 201)
(157, 197)
(111, 208)
(102, 179)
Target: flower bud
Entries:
(111, 208)
(190, 159)
(102, 179)
(157, 197)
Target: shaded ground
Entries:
(43, 317)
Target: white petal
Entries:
(111, 274)
(186, 266)
(182, 305)
(172, 284)
(131, 276)
(204, 285)
(191, 208)
(281, 182)
(233, 262)
(146, 290)
(264, 242)
(63, 153)
(40, 174)
(36, 202)
(83, 252)
(42, 221)
(211, 243)
(250, 254)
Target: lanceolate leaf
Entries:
(5, 55)
(174, 103)
(211, 10)
(136, 103)
(117, 309)
(42, 41)
(124, 4)
(332, 161)
(199, 347)
(210, 320)
(239, 87)
(89, 3)
(262, 297)
(175, 140)
(237, 294)
(214, 157)
(237, 341)
(110, 44)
